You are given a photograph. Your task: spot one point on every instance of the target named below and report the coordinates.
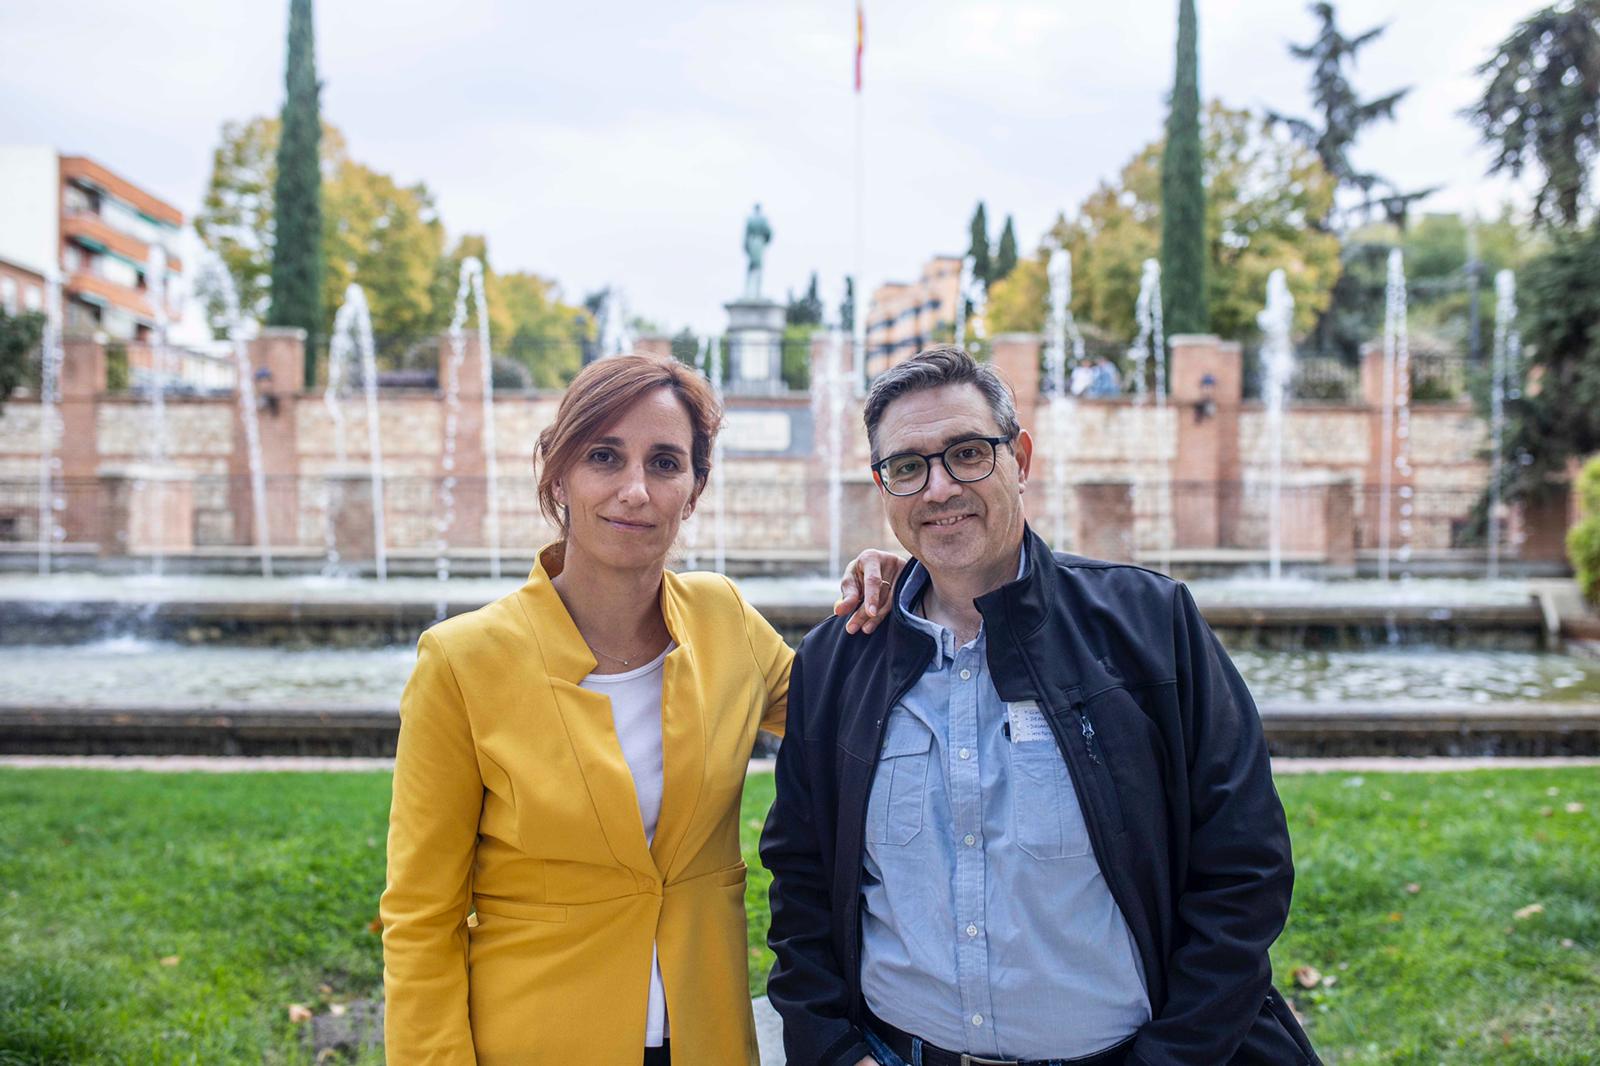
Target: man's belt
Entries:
(899, 1042)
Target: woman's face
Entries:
(632, 485)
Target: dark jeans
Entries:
(658, 1056)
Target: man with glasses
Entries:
(1030, 819)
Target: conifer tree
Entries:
(1005, 259)
(1183, 196)
(297, 237)
(978, 248)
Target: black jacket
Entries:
(1166, 753)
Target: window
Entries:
(34, 300)
(8, 295)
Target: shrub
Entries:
(1583, 539)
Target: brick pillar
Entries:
(277, 357)
(1402, 483)
(1339, 522)
(656, 345)
(1016, 356)
(1207, 384)
(83, 381)
(470, 473)
(1104, 520)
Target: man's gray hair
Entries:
(931, 368)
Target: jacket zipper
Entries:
(1088, 736)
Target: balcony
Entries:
(87, 172)
(92, 231)
(98, 290)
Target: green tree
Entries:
(978, 246)
(807, 310)
(1264, 192)
(1541, 105)
(387, 237)
(1183, 194)
(297, 243)
(1005, 258)
(1558, 415)
(1342, 115)
(236, 215)
(19, 336)
(545, 334)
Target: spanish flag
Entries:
(861, 41)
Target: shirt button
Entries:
(977, 1019)
(972, 930)
(969, 840)
(966, 675)
(965, 753)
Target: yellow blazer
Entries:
(512, 799)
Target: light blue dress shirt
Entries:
(987, 926)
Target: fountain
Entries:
(1277, 366)
(352, 329)
(1060, 329)
(831, 389)
(215, 280)
(50, 359)
(156, 282)
(1396, 448)
(616, 337)
(963, 287)
(1505, 384)
(472, 274)
(1151, 342)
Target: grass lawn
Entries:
(153, 918)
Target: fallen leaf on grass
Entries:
(1413, 888)
(1307, 976)
(325, 989)
(299, 1014)
(1574, 808)
(1396, 916)
(1522, 914)
(170, 960)
(338, 1010)
(1545, 812)
(1329, 981)
(375, 926)
(1568, 942)
(1552, 791)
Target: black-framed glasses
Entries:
(968, 460)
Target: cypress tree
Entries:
(297, 197)
(978, 249)
(1005, 260)
(1183, 196)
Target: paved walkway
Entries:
(224, 764)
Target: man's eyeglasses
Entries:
(906, 474)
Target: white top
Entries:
(636, 711)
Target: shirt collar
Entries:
(943, 639)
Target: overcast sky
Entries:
(612, 142)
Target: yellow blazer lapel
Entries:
(587, 717)
(683, 732)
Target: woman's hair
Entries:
(599, 395)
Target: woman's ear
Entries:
(560, 492)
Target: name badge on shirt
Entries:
(1025, 722)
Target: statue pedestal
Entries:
(754, 359)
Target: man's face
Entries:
(956, 528)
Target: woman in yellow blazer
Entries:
(564, 886)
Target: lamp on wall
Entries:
(1206, 405)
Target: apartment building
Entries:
(905, 317)
(103, 236)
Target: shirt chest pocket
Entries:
(1044, 808)
(900, 786)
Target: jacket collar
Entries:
(566, 655)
